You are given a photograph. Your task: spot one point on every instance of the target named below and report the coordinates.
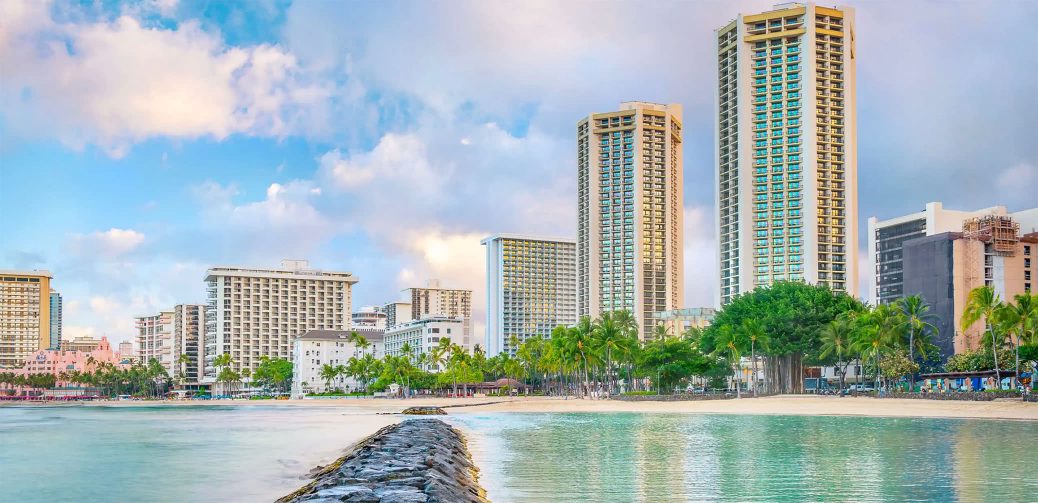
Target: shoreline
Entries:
(799, 405)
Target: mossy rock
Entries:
(424, 411)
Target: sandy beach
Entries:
(810, 405)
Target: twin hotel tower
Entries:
(787, 209)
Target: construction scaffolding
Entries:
(1001, 232)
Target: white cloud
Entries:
(397, 159)
(111, 243)
(115, 83)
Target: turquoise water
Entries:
(257, 453)
(167, 453)
(676, 457)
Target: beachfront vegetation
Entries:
(1008, 326)
(142, 380)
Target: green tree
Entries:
(836, 338)
(917, 323)
(793, 315)
(1018, 319)
(730, 343)
(753, 332)
(982, 303)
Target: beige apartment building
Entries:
(252, 313)
(436, 301)
(786, 149)
(155, 338)
(630, 211)
(25, 318)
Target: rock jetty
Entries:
(416, 461)
(424, 411)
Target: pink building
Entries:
(48, 361)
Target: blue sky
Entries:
(141, 143)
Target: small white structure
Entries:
(317, 348)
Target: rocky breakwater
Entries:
(416, 461)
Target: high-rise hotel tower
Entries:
(629, 212)
(786, 149)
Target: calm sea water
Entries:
(145, 454)
(677, 457)
(169, 453)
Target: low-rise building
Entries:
(317, 348)
(369, 318)
(82, 343)
(50, 361)
(423, 335)
(679, 320)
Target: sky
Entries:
(143, 142)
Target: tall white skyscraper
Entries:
(786, 149)
(629, 211)
(531, 288)
(252, 313)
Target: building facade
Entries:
(126, 350)
(155, 338)
(188, 340)
(397, 313)
(24, 315)
(786, 149)
(944, 268)
(887, 237)
(680, 320)
(317, 348)
(629, 211)
(436, 301)
(370, 317)
(83, 344)
(531, 288)
(423, 335)
(50, 361)
(253, 313)
(55, 319)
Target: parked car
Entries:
(861, 388)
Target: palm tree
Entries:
(836, 341)
(875, 334)
(328, 373)
(580, 341)
(753, 331)
(730, 343)
(608, 335)
(183, 360)
(916, 315)
(982, 303)
(1018, 319)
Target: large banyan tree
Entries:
(792, 315)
